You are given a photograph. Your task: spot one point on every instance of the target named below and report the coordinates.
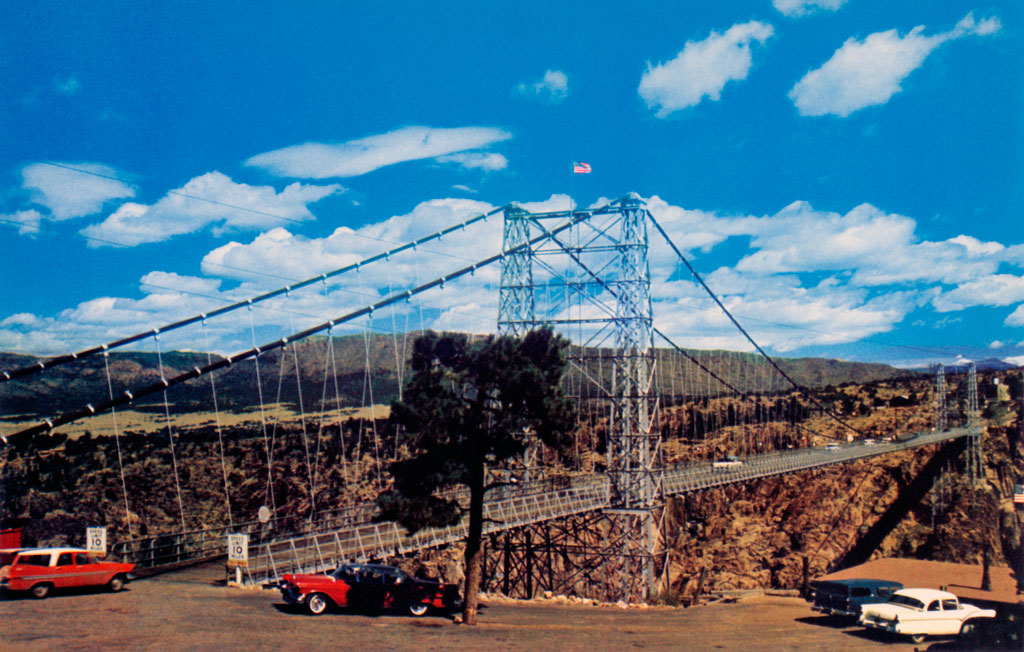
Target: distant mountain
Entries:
(359, 370)
(988, 364)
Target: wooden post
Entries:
(700, 587)
(507, 562)
(547, 542)
(529, 565)
(986, 561)
(806, 573)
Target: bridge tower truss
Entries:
(593, 286)
(974, 468)
(941, 405)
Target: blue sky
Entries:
(848, 175)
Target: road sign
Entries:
(96, 540)
(238, 550)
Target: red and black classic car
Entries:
(369, 587)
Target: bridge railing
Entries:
(171, 549)
(360, 542)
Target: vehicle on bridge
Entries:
(369, 587)
(844, 598)
(41, 570)
(919, 613)
(727, 462)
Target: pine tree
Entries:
(468, 405)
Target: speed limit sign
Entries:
(96, 540)
(238, 550)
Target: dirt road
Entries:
(187, 611)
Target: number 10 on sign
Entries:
(238, 550)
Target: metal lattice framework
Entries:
(974, 469)
(595, 285)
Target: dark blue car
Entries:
(843, 598)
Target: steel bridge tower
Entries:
(595, 286)
(974, 468)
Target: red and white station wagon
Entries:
(40, 570)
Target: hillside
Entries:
(357, 371)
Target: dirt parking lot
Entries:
(188, 611)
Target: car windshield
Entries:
(907, 601)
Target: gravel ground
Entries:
(190, 611)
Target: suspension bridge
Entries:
(654, 414)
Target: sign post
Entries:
(96, 541)
(238, 554)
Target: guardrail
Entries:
(360, 542)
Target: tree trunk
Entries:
(474, 549)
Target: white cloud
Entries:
(172, 282)
(554, 87)
(356, 157)
(702, 68)
(1015, 360)
(210, 199)
(993, 290)
(869, 72)
(70, 193)
(874, 247)
(488, 161)
(26, 221)
(804, 277)
(996, 344)
(1016, 318)
(804, 7)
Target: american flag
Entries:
(1018, 494)
(581, 168)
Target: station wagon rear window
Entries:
(34, 560)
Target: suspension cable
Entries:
(714, 297)
(64, 359)
(129, 396)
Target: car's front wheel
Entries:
(917, 638)
(316, 604)
(40, 591)
(116, 583)
(418, 609)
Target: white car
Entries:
(728, 462)
(918, 613)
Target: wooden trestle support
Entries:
(581, 555)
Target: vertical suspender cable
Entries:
(263, 414)
(220, 433)
(117, 441)
(170, 433)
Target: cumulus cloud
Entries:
(357, 157)
(210, 199)
(553, 87)
(1016, 318)
(802, 277)
(869, 72)
(804, 7)
(993, 290)
(27, 222)
(702, 68)
(488, 161)
(70, 190)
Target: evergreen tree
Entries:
(468, 405)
